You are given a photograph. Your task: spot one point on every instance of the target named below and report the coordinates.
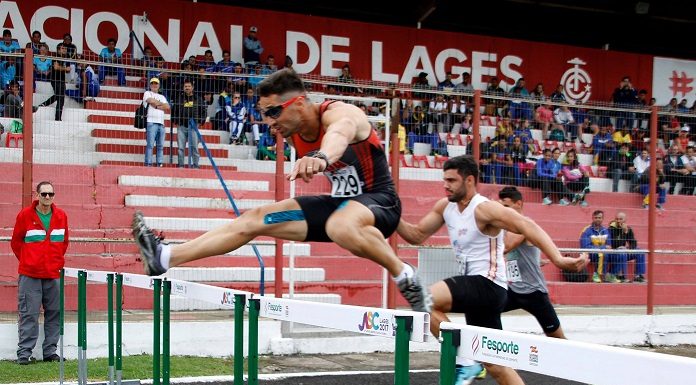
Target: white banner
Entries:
(573, 360)
(673, 78)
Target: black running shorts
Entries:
(317, 209)
(480, 299)
(536, 304)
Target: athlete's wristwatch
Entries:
(322, 156)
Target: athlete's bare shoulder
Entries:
(339, 113)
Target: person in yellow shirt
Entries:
(622, 136)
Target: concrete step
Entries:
(134, 133)
(193, 202)
(177, 183)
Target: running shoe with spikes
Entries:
(416, 294)
(150, 245)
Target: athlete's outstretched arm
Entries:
(497, 215)
(416, 234)
(512, 241)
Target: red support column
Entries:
(651, 210)
(279, 196)
(28, 130)
(476, 147)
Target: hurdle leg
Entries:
(119, 326)
(110, 323)
(239, 302)
(404, 327)
(253, 367)
(84, 329)
(166, 293)
(451, 339)
(157, 282)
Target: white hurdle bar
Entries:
(572, 360)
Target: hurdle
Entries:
(403, 326)
(572, 360)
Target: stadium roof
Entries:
(661, 28)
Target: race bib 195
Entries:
(513, 271)
(345, 182)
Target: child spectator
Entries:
(576, 180)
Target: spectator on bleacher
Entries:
(239, 82)
(258, 127)
(421, 83)
(563, 119)
(59, 70)
(494, 107)
(643, 121)
(8, 71)
(518, 153)
(623, 238)
(576, 180)
(661, 185)
(465, 85)
(621, 167)
(689, 161)
(35, 43)
(188, 112)
(43, 65)
(548, 171)
(154, 132)
(194, 63)
(538, 93)
(250, 100)
(255, 75)
(519, 108)
(8, 44)
(148, 61)
(111, 55)
(675, 171)
(622, 135)
(467, 126)
(503, 129)
(503, 163)
(596, 236)
(270, 66)
(438, 113)
(207, 63)
(226, 65)
(601, 142)
(14, 105)
(346, 77)
(457, 108)
(288, 63)
(682, 141)
(71, 49)
(252, 48)
(683, 107)
(87, 85)
(446, 84)
(625, 96)
(558, 96)
(236, 116)
(543, 118)
(524, 132)
(642, 165)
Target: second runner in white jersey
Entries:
(476, 252)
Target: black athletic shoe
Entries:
(25, 360)
(417, 296)
(150, 245)
(52, 358)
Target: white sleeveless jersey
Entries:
(475, 252)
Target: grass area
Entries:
(134, 367)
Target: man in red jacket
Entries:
(39, 240)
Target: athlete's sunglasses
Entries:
(47, 194)
(275, 111)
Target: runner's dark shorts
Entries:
(480, 299)
(385, 206)
(536, 304)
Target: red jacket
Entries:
(41, 253)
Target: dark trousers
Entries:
(33, 293)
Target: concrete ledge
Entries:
(193, 183)
(193, 202)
